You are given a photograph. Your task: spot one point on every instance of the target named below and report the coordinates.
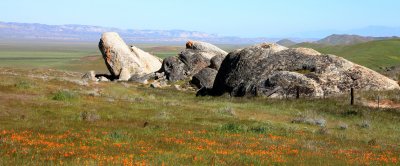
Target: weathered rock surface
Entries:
(276, 71)
(90, 76)
(142, 79)
(103, 79)
(123, 61)
(285, 83)
(159, 84)
(207, 49)
(204, 78)
(216, 61)
(189, 62)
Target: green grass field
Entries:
(374, 54)
(71, 56)
(48, 116)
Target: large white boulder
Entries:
(125, 61)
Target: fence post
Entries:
(352, 96)
(378, 101)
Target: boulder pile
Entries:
(199, 61)
(265, 69)
(193, 59)
(276, 71)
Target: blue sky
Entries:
(256, 18)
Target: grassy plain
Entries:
(50, 117)
(71, 56)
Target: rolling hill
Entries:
(286, 42)
(373, 54)
(349, 39)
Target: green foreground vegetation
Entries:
(49, 120)
(48, 116)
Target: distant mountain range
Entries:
(34, 31)
(335, 39)
(374, 31)
(72, 32)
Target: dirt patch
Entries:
(382, 104)
(15, 97)
(165, 49)
(91, 58)
(10, 103)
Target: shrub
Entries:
(162, 115)
(351, 112)
(254, 128)
(90, 116)
(117, 136)
(323, 131)
(310, 120)
(372, 142)
(232, 127)
(343, 126)
(64, 95)
(227, 111)
(365, 124)
(259, 129)
(23, 85)
(320, 122)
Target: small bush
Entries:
(259, 129)
(351, 113)
(320, 122)
(365, 124)
(343, 126)
(227, 111)
(64, 95)
(304, 120)
(307, 119)
(23, 85)
(117, 136)
(90, 116)
(232, 127)
(323, 131)
(163, 115)
(254, 128)
(372, 142)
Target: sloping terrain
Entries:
(348, 39)
(374, 54)
(286, 42)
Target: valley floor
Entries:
(52, 117)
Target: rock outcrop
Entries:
(216, 61)
(189, 62)
(90, 76)
(276, 71)
(123, 61)
(204, 78)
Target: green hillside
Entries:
(286, 42)
(374, 54)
